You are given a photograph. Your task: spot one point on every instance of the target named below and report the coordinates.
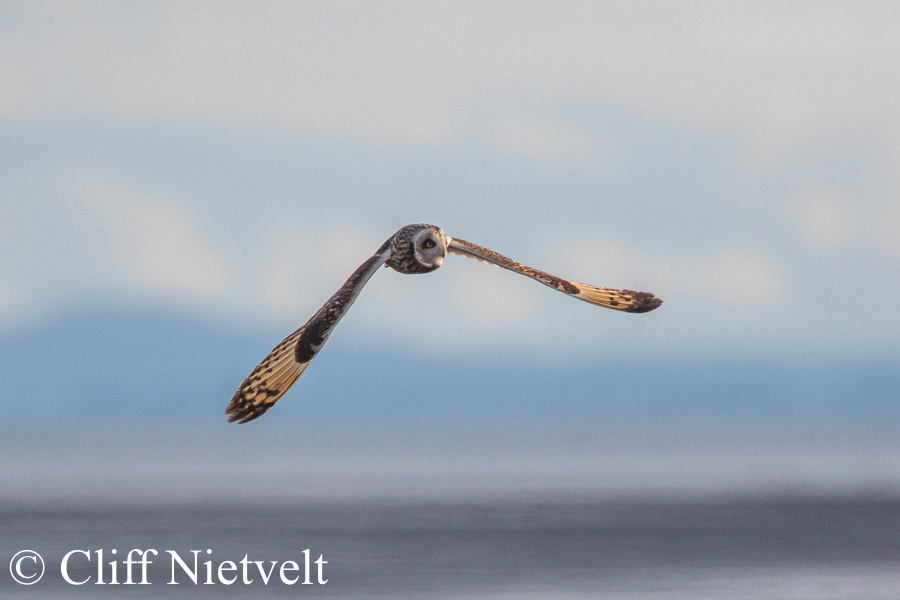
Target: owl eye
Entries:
(429, 244)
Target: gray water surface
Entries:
(484, 517)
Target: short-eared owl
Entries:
(418, 248)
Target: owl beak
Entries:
(438, 262)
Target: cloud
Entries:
(82, 231)
(714, 280)
(422, 74)
(301, 266)
(825, 222)
(886, 228)
(829, 222)
(15, 298)
(738, 278)
(545, 139)
(152, 246)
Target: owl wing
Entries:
(625, 300)
(284, 365)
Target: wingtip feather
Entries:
(644, 302)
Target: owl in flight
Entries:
(413, 249)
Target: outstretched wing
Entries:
(626, 300)
(284, 365)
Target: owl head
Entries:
(419, 248)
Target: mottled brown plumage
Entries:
(414, 249)
(626, 300)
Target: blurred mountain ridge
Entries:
(137, 367)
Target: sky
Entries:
(235, 162)
(183, 184)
